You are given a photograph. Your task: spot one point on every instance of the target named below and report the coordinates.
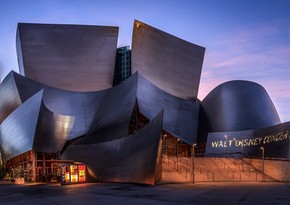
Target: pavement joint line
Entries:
(246, 195)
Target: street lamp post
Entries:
(263, 164)
(166, 145)
(192, 161)
(177, 140)
(242, 155)
(0, 159)
(226, 145)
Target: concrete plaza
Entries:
(169, 194)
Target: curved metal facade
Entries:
(92, 111)
(180, 116)
(130, 159)
(33, 127)
(66, 115)
(235, 106)
(84, 125)
(52, 131)
(70, 57)
(170, 63)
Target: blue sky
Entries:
(244, 39)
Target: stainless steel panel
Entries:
(71, 57)
(170, 63)
(113, 111)
(10, 98)
(131, 159)
(52, 131)
(18, 129)
(180, 116)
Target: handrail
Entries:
(233, 154)
(179, 166)
(229, 169)
(207, 172)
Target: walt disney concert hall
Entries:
(83, 110)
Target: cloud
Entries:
(257, 52)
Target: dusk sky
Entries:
(244, 39)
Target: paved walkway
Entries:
(127, 194)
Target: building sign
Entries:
(275, 141)
(256, 141)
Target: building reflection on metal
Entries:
(131, 158)
(180, 116)
(52, 131)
